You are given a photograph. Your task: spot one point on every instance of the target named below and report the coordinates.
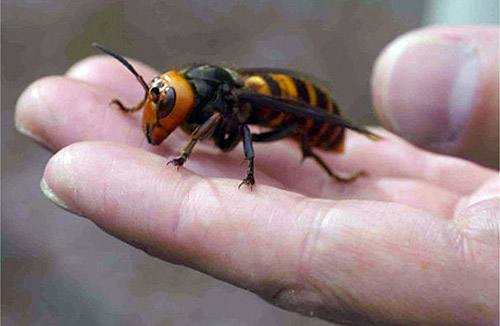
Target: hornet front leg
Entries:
(202, 132)
(132, 109)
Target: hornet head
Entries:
(168, 101)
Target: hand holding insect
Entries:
(416, 243)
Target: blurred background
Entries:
(59, 269)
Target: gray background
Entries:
(58, 269)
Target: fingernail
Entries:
(52, 196)
(27, 132)
(22, 115)
(58, 182)
(430, 88)
(33, 116)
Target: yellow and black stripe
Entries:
(319, 133)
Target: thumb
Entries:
(438, 87)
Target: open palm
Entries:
(415, 241)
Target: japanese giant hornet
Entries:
(218, 102)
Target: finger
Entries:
(59, 111)
(339, 260)
(105, 71)
(438, 87)
(397, 158)
(388, 159)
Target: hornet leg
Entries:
(135, 108)
(249, 156)
(308, 152)
(202, 132)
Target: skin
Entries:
(414, 243)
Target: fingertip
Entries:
(57, 111)
(75, 178)
(51, 185)
(425, 86)
(32, 111)
(430, 86)
(61, 174)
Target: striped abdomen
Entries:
(320, 134)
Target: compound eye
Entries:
(167, 104)
(155, 93)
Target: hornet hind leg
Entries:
(249, 156)
(308, 152)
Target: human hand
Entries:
(416, 242)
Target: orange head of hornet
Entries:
(167, 102)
